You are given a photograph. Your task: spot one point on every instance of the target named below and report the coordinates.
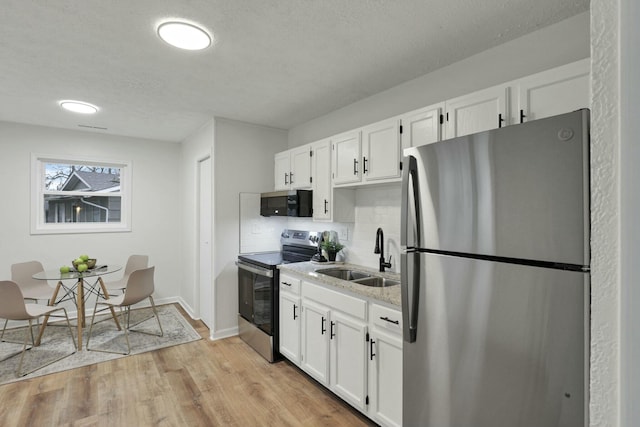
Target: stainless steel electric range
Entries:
(258, 285)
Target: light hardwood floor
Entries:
(203, 383)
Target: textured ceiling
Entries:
(277, 63)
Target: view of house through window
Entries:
(81, 193)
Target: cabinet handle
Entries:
(294, 312)
(290, 177)
(500, 120)
(386, 319)
(286, 176)
(522, 116)
(355, 166)
(326, 202)
(371, 353)
(322, 327)
(332, 334)
(287, 284)
(364, 164)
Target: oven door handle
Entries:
(255, 269)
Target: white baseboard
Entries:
(213, 335)
(225, 333)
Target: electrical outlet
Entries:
(344, 234)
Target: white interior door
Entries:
(204, 242)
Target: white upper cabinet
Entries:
(369, 154)
(300, 176)
(282, 169)
(423, 126)
(477, 112)
(556, 91)
(346, 158)
(321, 172)
(292, 169)
(381, 150)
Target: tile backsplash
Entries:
(376, 206)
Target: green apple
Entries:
(64, 269)
(84, 258)
(78, 260)
(82, 267)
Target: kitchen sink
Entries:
(359, 277)
(344, 274)
(378, 282)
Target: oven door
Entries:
(255, 295)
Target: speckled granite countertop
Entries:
(307, 270)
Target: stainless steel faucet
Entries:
(379, 249)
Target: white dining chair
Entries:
(14, 307)
(139, 287)
(32, 289)
(134, 262)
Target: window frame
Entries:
(38, 192)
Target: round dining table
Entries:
(77, 289)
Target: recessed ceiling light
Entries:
(79, 107)
(184, 35)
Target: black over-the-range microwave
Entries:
(287, 203)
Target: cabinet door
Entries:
(385, 376)
(290, 327)
(300, 174)
(422, 126)
(315, 341)
(348, 358)
(282, 168)
(381, 150)
(557, 91)
(346, 158)
(477, 112)
(321, 172)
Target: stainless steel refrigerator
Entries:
(495, 277)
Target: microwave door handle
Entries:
(410, 172)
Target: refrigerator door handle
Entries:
(410, 171)
(410, 292)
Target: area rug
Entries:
(56, 342)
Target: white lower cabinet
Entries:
(350, 345)
(349, 359)
(290, 318)
(385, 366)
(315, 341)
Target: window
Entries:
(72, 195)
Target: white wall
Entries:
(552, 46)
(630, 212)
(195, 148)
(242, 162)
(605, 215)
(155, 201)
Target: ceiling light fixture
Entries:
(79, 107)
(184, 36)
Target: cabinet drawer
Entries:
(353, 306)
(386, 318)
(289, 284)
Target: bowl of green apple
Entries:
(83, 263)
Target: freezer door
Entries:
(497, 344)
(519, 192)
